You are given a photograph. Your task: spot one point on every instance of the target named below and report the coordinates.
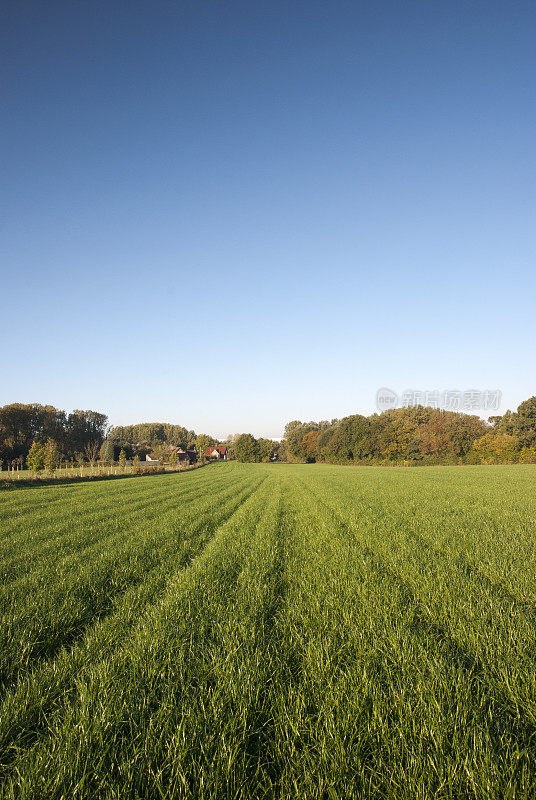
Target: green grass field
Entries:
(259, 631)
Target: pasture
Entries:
(271, 631)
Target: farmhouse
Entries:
(182, 456)
(217, 452)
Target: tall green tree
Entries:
(21, 424)
(523, 423)
(265, 448)
(246, 448)
(107, 451)
(51, 456)
(309, 446)
(36, 457)
(294, 433)
(203, 441)
(83, 427)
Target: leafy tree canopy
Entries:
(22, 424)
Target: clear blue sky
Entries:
(231, 214)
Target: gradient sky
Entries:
(229, 214)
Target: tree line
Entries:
(50, 434)
(146, 437)
(157, 438)
(245, 447)
(417, 435)
(40, 436)
(43, 437)
(154, 438)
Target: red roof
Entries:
(219, 448)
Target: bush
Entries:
(141, 470)
(527, 456)
(36, 457)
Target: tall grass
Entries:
(259, 631)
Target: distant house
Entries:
(217, 452)
(183, 456)
(179, 453)
(191, 455)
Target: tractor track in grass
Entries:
(161, 633)
(478, 579)
(84, 498)
(12, 541)
(102, 507)
(268, 637)
(92, 543)
(28, 724)
(101, 599)
(98, 538)
(266, 653)
(509, 723)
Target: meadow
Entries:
(271, 631)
